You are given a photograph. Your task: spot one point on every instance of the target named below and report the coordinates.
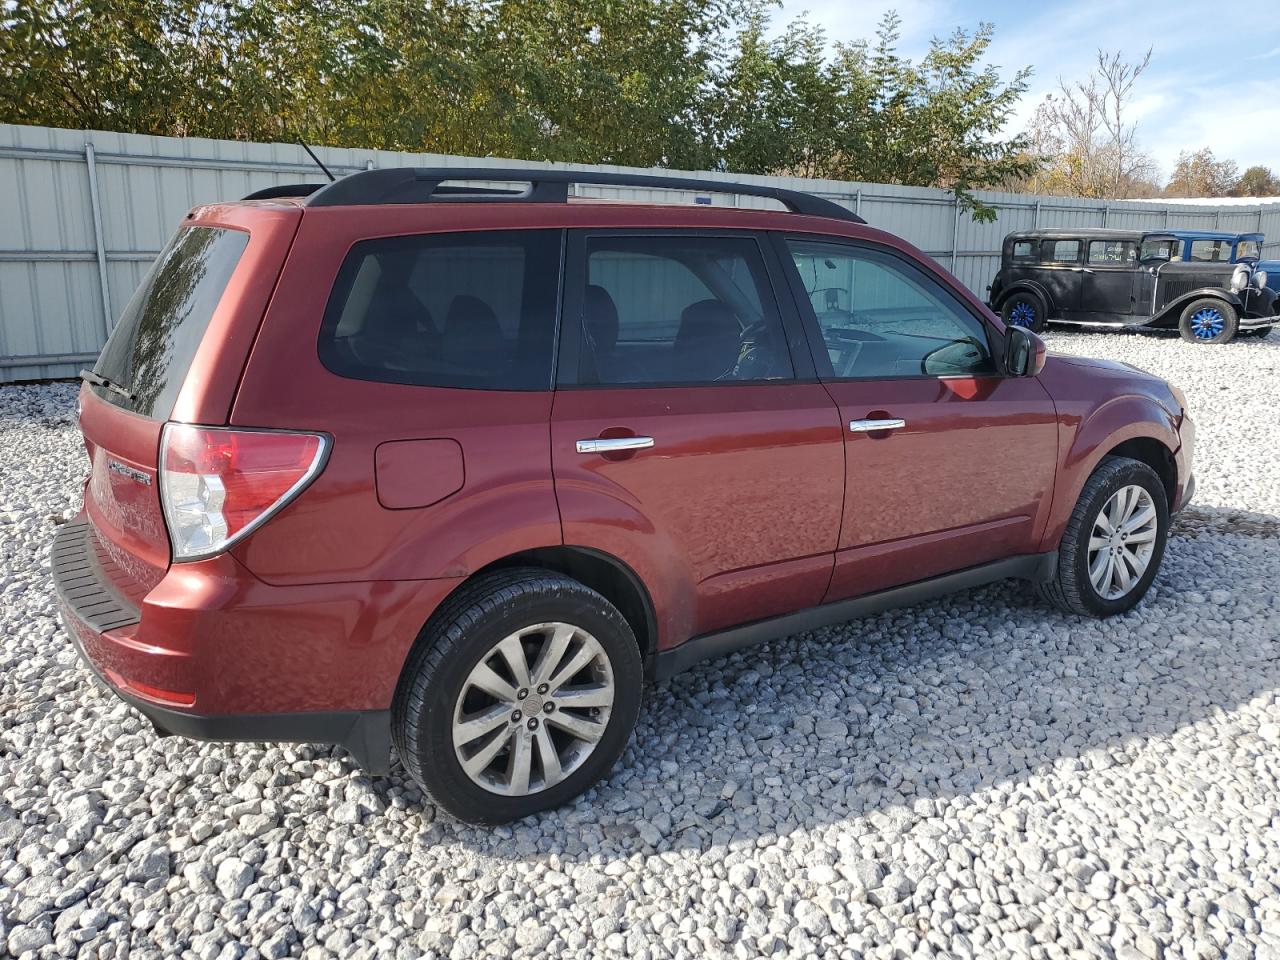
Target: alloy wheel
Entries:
(1122, 542)
(533, 709)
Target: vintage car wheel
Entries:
(1026, 309)
(1208, 320)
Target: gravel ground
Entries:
(978, 777)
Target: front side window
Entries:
(1210, 251)
(1156, 250)
(1061, 251)
(882, 318)
(1112, 253)
(671, 310)
(1024, 251)
(471, 310)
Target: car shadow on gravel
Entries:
(895, 714)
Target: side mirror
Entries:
(1024, 352)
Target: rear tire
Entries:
(1026, 309)
(491, 758)
(1208, 320)
(1084, 584)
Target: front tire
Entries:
(1114, 541)
(521, 692)
(1026, 309)
(1208, 320)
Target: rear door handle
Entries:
(614, 444)
(1081, 270)
(870, 426)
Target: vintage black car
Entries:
(1122, 278)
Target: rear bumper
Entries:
(212, 652)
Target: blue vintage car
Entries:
(1217, 246)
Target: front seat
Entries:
(707, 343)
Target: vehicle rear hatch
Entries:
(177, 353)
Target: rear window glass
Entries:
(151, 348)
(471, 310)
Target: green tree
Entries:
(1257, 181)
(871, 114)
(1201, 174)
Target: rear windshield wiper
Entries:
(98, 380)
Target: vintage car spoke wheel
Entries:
(1026, 309)
(532, 710)
(520, 693)
(1111, 549)
(1208, 320)
(1122, 541)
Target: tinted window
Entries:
(679, 310)
(1112, 253)
(1024, 251)
(150, 350)
(882, 318)
(1062, 251)
(1211, 251)
(448, 310)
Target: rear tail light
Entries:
(218, 485)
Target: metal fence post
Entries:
(1106, 213)
(857, 202)
(1035, 222)
(95, 207)
(955, 235)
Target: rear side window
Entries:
(663, 310)
(1024, 251)
(150, 350)
(1062, 251)
(473, 310)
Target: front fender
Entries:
(1171, 312)
(1100, 431)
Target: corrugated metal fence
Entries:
(83, 213)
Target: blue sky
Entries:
(1214, 78)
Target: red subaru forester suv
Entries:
(453, 460)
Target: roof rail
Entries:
(423, 185)
(284, 190)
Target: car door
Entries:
(1060, 273)
(949, 463)
(689, 437)
(1109, 280)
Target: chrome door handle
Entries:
(1081, 270)
(614, 444)
(869, 426)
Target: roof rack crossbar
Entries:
(423, 185)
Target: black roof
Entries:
(448, 184)
(1089, 233)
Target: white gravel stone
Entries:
(975, 777)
